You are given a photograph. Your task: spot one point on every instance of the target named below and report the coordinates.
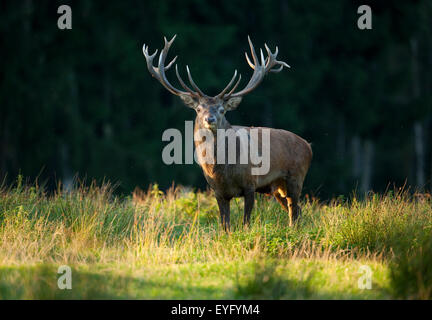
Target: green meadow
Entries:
(169, 245)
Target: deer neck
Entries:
(210, 169)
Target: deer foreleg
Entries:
(249, 199)
(224, 210)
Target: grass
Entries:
(156, 245)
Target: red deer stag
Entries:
(289, 154)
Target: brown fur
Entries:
(290, 158)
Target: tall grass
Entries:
(411, 271)
(90, 225)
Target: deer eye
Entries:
(221, 110)
(199, 109)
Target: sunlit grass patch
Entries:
(102, 235)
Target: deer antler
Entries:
(260, 70)
(159, 71)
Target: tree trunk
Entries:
(65, 148)
(362, 162)
(419, 151)
(340, 146)
(66, 172)
(367, 163)
(356, 157)
(107, 129)
(418, 126)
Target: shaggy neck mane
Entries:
(208, 168)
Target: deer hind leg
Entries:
(293, 196)
(289, 206)
(280, 192)
(287, 194)
(294, 210)
(282, 201)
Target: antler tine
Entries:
(171, 63)
(163, 55)
(260, 68)
(254, 55)
(149, 58)
(193, 83)
(262, 58)
(159, 71)
(182, 82)
(234, 88)
(271, 61)
(220, 95)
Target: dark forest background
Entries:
(81, 101)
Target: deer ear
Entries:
(189, 101)
(232, 103)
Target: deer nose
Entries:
(210, 119)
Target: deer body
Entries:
(290, 158)
(289, 154)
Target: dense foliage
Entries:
(82, 101)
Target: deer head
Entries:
(211, 110)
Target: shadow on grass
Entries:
(40, 282)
